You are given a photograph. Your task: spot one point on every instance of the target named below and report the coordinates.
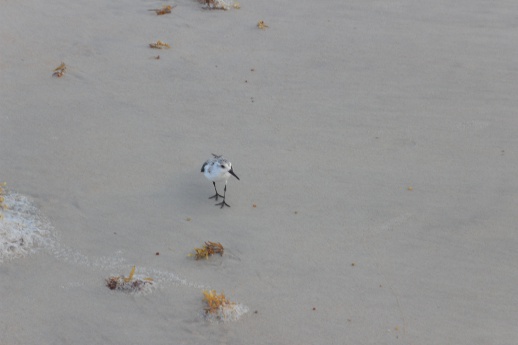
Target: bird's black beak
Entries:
(232, 172)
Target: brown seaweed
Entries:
(262, 25)
(60, 70)
(210, 248)
(159, 45)
(214, 301)
(128, 284)
(164, 10)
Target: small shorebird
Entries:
(218, 169)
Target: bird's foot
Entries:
(216, 196)
(223, 204)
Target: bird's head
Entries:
(227, 167)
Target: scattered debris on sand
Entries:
(262, 25)
(159, 45)
(219, 308)
(130, 284)
(210, 248)
(60, 70)
(164, 10)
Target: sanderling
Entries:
(218, 169)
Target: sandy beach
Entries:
(375, 141)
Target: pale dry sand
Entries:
(329, 116)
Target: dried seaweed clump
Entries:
(262, 25)
(219, 308)
(60, 70)
(220, 4)
(164, 10)
(159, 45)
(130, 284)
(210, 248)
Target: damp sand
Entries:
(377, 141)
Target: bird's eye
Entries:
(222, 166)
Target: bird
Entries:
(218, 169)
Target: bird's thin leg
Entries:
(217, 194)
(223, 203)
